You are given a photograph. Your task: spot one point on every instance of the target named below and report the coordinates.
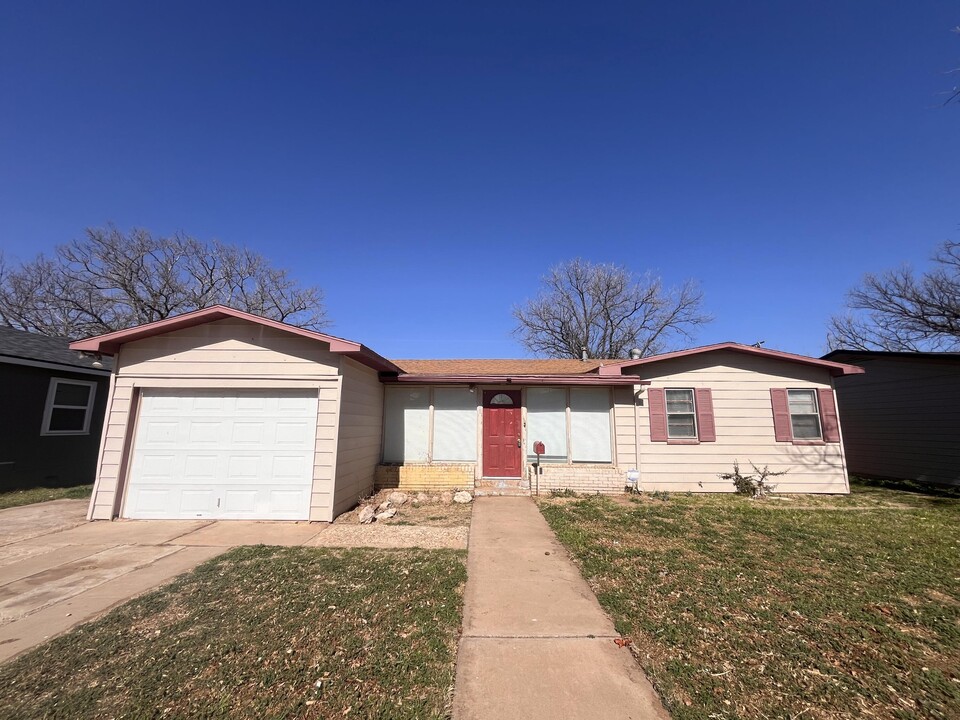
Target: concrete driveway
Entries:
(57, 570)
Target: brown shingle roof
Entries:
(499, 367)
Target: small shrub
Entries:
(756, 485)
(564, 493)
(660, 495)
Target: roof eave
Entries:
(436, 379)
(109, 343)
(836, 369)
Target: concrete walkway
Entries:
(536, 643)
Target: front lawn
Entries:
(261, 632)
(743, 609)
(14, 498)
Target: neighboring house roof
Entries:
(871, 354)
(20, 347)
(110, 343)
(499, 367)
(835, 368)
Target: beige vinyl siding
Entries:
(625, 427)
(360, 429)
(743, 414)
(901, 419)
(228, 353)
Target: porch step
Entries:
(512, 488)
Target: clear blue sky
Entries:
(425, 163)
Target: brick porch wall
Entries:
(424, 478)
(587, 479)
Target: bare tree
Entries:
(897, 310)
(606, 309)
(110, 280)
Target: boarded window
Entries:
(804, 416)
(454, 425)
(590, 424)
(406, 424)
(547, 422)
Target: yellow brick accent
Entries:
(424, 478)
(585, 479)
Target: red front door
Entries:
(501, 433)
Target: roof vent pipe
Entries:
(583, 352)
(635, 354)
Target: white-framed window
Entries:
(590, 425)
(425, 424)
(454, 425)
(587, 424)
(547, 423)
(804, 414)
(681, 413)
(69, 407)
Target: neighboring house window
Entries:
(681, 415)
(804, 416)
(69, 407)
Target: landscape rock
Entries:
(383, 506)
(435, 499)
(422, 498)
(397, 498)
(387, 514)
(446, 497)
(366, 514)
(463, 497)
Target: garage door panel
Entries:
(227, 454)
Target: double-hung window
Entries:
(681, 414)
(804, 414)
(69, 407)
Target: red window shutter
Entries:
(658, 415)
(828, 416)
(706, 427)
(782, 428)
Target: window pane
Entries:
(590, 424)
(802, 402)
(547, 422)
(454, 425)
(681, 426)
(406, 424)
(806, 427)
(67, 420)
(679, 401)
(501, 399)
(72, 394)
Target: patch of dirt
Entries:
(433, 513)
(384, 535)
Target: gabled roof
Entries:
(835, 368)
(500, 367)
(110, 343)
(22, 347)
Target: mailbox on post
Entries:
(539, 449)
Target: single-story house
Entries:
(219, 413)
(902, 418)
(52, 402)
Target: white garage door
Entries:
(223, 454)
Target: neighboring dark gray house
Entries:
(52, 404)
(901, 418)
